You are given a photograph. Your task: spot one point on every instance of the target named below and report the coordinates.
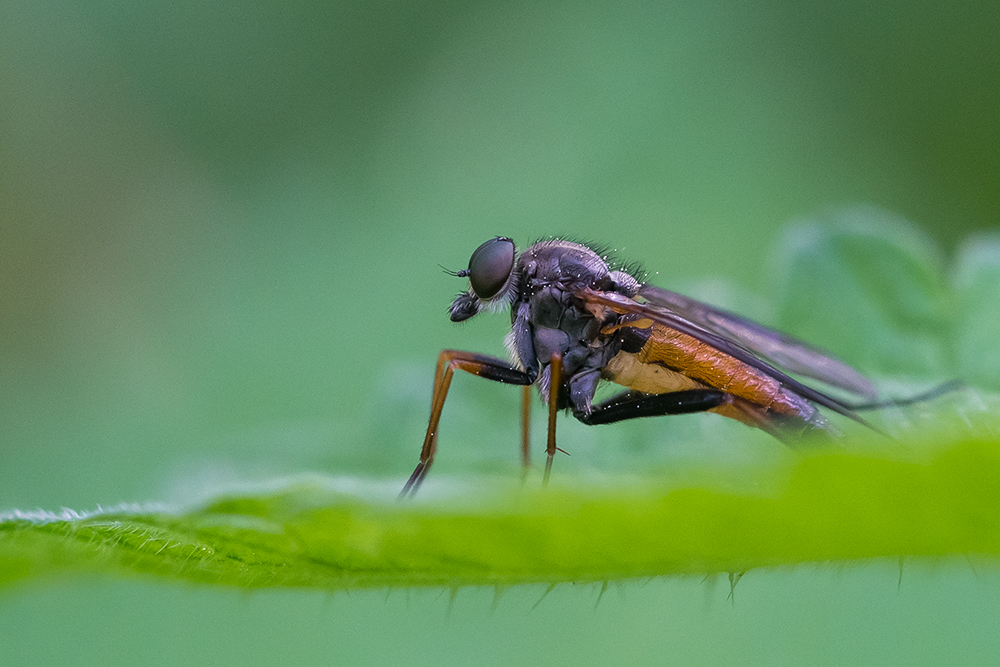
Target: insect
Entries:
(576, 320)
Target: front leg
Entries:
(555, 383)
(484, 366)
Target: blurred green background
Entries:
(220, 230)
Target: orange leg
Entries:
(525, 431)
(484, 366)
(555, 382)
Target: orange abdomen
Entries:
(709, 366)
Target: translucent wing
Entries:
(666, 316)
(782, 350)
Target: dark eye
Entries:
(490, 267)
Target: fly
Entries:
(576, 320)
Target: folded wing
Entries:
(791, 354)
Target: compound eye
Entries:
(490, 267)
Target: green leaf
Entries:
(869, 287)
(977, 311)
(872, 502)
